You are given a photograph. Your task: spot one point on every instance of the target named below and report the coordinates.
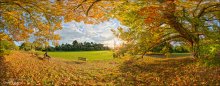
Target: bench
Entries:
(82, 58)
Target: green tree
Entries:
(6, 44)
(75, 45)
(26, 46)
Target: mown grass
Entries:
(97, 55)
(21, 68)
(89, 55)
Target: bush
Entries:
(6, 47)
(213, 61)
(210, 50)
(210, 55)
(4, 52)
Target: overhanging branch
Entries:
(90, 7)
(202, 12)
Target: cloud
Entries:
(99, 33)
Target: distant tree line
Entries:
(75, 46)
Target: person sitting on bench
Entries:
(46, 56)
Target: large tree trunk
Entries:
(184, 32)
(196, 47)
(195, 50)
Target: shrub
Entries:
(213, 61)
(210, 55)
(6, 47)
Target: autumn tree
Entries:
(22, 19)
(140, 37)
(191, 21)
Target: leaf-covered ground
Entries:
(24, 69)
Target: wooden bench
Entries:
(82, 58)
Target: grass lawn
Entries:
(90, 55)
(97, 55)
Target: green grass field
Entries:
(95, 55)
(90, 55)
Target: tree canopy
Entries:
(155, 22)
(21, 19)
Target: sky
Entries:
(98, 33)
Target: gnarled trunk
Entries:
(195, 50)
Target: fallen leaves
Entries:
(20, 68)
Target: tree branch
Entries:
(202, 12)
(80, 4)
(90, 7)
(197, 7)
(165, 40)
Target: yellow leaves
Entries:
(11, 13)
(22, 18)
(58, 26)
(4, 36)
(68, 17)
(56, 37)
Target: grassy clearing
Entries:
(90, 55)
(97, 55)
(24, 69)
